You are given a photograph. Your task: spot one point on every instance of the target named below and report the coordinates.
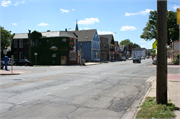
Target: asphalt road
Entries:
(104, 91)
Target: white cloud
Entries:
(63, 10)
(88, 21)
(22, 2)
(128, 28)
(14, 23)
(145, 12)
(86, 28)
(16, 4)
(175, 7)
(105, 32)
(142, 41)
(5, 3)
(43, 24)
(73, 9)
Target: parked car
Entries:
(24, 62)
(123, 59)
(154, 61)
(137, 60)
(8, 63)
(143, 58)
(131, 58)
(147, 57)
(2, 65)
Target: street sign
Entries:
(155, 45)
(178, 16)
(5, 51)
(35, 53)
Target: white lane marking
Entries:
(80, 84)
(22, 102)
(47, 94)
(66, 88)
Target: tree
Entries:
(126, 42)
(6, 38)
(150, 31)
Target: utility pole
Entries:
(161, 71)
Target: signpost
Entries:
(5, 51)
(12, 62)
(36, 56)
(178, 16)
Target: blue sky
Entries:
(123, 18)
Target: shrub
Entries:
(176, 61)
(178, 56)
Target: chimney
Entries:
(48, 30)
(66, 29)
(29, 31)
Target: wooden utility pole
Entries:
(161, 71)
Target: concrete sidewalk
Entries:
(173, 91)
(14, 72)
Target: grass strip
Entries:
(149, 109)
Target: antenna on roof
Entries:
(76, 28)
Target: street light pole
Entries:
(81, 52)
(161, 74)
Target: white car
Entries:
(9, 62)
(131, 58)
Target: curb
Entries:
(152, 80)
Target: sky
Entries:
(125, 19)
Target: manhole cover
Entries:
(17, 79)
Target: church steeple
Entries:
(76, 29)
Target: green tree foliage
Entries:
(35, 35)
(150, 31)
(6, 38)
(127, 42)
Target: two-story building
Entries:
(111, 45)
(89, 42)
(51, 47)
(104, 46)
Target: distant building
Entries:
(51, 47)
(138, 52)
(175, 49)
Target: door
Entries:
(63, 59)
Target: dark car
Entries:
(24, 62)
(137, 60)
(2, 65)
(154, 61)
(123, 59)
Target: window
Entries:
(20, 43)
(72, 55)
(94, 44)
(15, 43)
(64, 40)
(20, 55)
(104, 45)
(15, 56)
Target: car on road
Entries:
(147, 57)
(123, 59)
(143, 58)
(131, 58)
(24, 62)
(137, 60)
(154, 61)
(2, 65)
